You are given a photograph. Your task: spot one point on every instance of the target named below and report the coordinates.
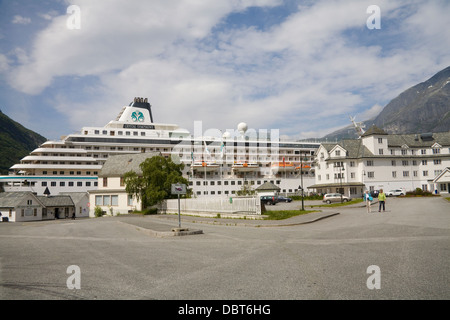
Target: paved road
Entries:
(327, 259)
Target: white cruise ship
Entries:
(216, 163)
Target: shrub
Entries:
(98, 212)
(418, 193)
(149, 211)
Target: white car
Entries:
(396, 192)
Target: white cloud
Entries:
(20, 20)
(302, 75)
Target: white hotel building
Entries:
(378, 160)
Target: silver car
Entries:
(334, 197)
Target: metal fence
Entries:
(237, 205)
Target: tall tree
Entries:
(154, 185)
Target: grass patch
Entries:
(285, 214)
(447, 198)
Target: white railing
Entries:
(237, 205)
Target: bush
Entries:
(98, 212)
(418, 193)
(149, 211)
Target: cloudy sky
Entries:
(299, 66)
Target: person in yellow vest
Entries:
(381, 200)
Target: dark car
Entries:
(270, 200)
(284, 199)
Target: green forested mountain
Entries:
(16, 141)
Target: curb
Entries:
(164, 234)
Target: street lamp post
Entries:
(340, 178)
(301, 181)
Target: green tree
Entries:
(154, 185)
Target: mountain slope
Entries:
(16, 142)
(424, 107)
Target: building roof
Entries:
(374, 130)
(76, 196)
(419, 140)
(268, 186)
(120, 164)
(354, 148)
(56, 201)
(13, 199)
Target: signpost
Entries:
(178, 189)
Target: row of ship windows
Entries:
(232, 182)
(226, 192)
(78, 173)
(371, 174)
(65, 183)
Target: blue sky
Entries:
(298, 66)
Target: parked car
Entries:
(334, 197)
(396, 192)
(284, 199)
(270, 200)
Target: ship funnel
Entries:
(139, 102)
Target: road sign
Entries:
(178, 188)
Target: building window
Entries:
(393, 163)
(371, 174)
(424, 162)
(437, 161)
(380, 151)
(98, 200)
(425, 173)
(405, 162)
(394, 174)
(423, 151)
(436, 151)
(380, 140)
(130, 200)
(115, 200)
(370, 163)
(405, 174)
(437, 172)
(105, 182)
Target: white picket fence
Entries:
(238, 205)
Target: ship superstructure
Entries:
(217, 164)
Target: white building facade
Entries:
(378, 160)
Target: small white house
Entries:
(21, 206)
(111, 196)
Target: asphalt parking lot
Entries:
(403, 253)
